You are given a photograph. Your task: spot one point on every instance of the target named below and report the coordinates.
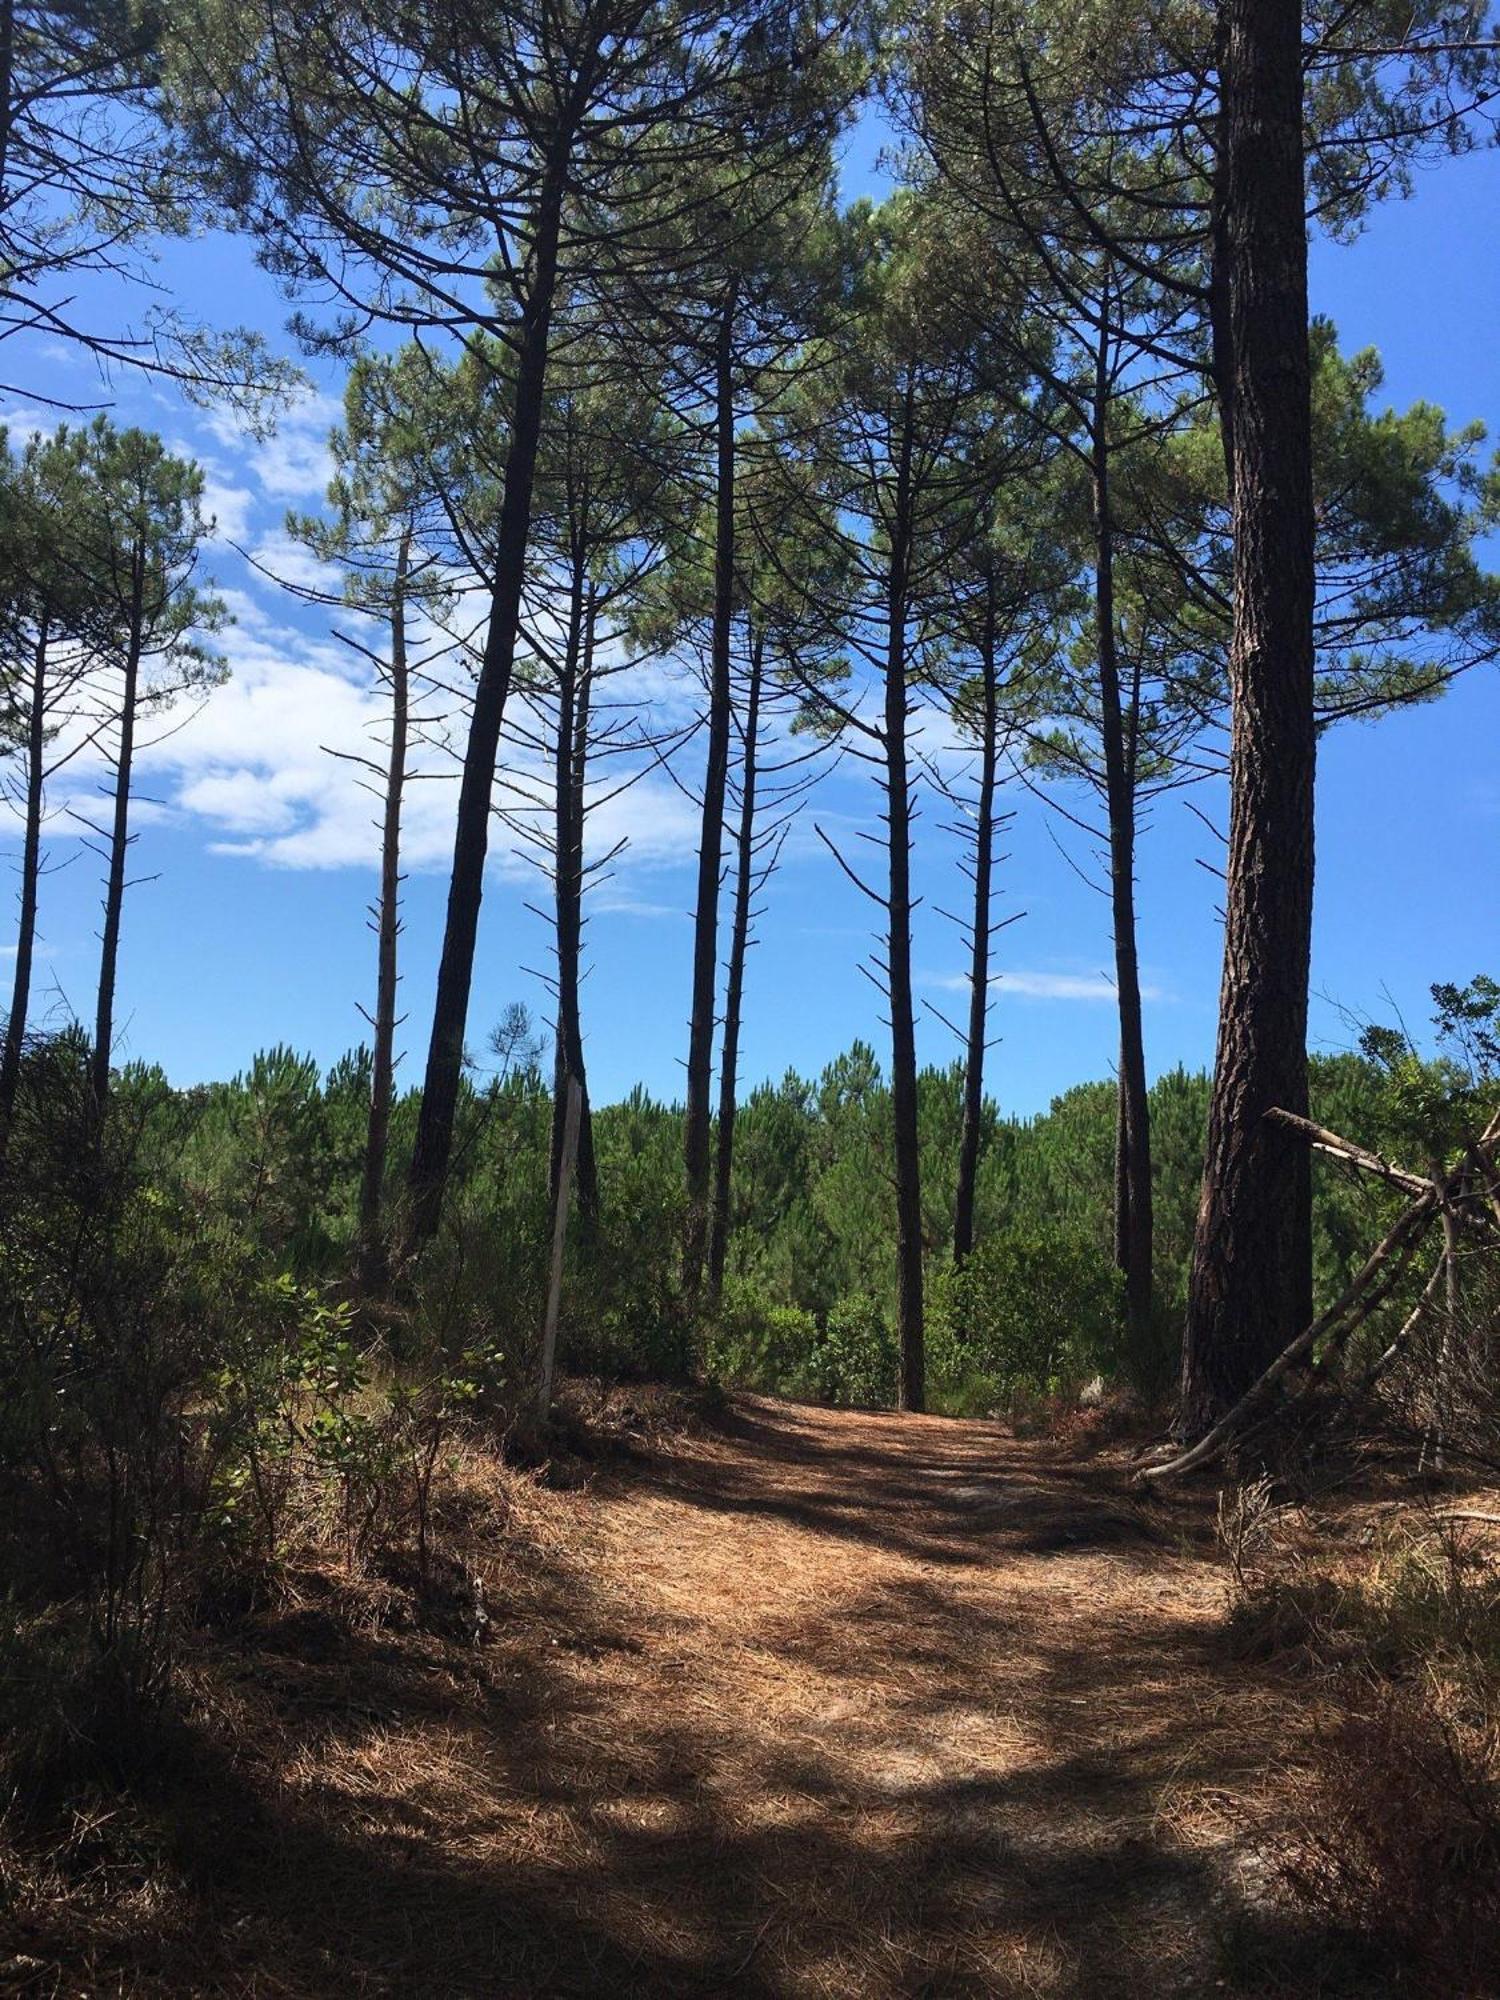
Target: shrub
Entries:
(958, 1384)
(857, 1357)
(1030, 1314)
(174, 1417)
(758, 1344)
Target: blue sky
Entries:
(252, 928)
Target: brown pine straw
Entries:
(813, 1703)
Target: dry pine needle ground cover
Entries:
(807, 1702)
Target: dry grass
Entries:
(768, 1701)
(1389, 1815)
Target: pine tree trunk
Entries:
(979, 959)
(697, 1121)
(586, 1168)
(1251, 1285)
(372, 1274)
(7, 85)
(734, 993)
(570, 772)
(904, 1129)
(31, 864)
(119, 848)
(445, 1056)
(1133, 1194)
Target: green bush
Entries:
(1028, 1314)
(115, 1304)
(758, 1344)
(857, 1358)
(957, 1382)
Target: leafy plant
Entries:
(1035, 1312)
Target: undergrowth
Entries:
(1390, 1829)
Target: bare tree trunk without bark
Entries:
(31, 866)
(906, 1148)
(570, 773)
(1133, 1192)
(7, 86)
(119, 847)
(979, 961)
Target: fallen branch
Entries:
(1395, 1250)
(1408, 1327)
(1488, 1190)
(1324, 1141)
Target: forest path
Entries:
(811, 1703)
(905, 1705)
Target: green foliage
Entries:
(848, 1358)
(757, 1343)
(1033, 1313)
(857, 1358)
(1432, 1104)
(182, 1406)
(118, 1298)
(269, 1163)
(190, 1393)
(278, 1150)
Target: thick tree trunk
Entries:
(1251, 1283)
(445, 1055)
(372, 1246)
(1221, 345)
(904, 1130)
(119, 848)
(734, 992)
(1133, 1199)
(31, 864)
(979, 958)
(570, 773)
(697, 1121)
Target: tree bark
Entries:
(904, 1129)
(7, 86)
(372, 1250)
(697, 1120)
(119, 844)
(979, 960)
(445, 1056)
(1133, 1194)
(570, 772)
(31, 863)
(1251, 1282)
(734, 992)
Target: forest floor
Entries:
(797, 1702)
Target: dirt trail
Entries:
(819, 1704)
(934, 1710)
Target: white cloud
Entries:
(293, 563)
(294, 462)
(252, 767)
(229, 507)
(1042, 985)
(24, 422)
(610, 904)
